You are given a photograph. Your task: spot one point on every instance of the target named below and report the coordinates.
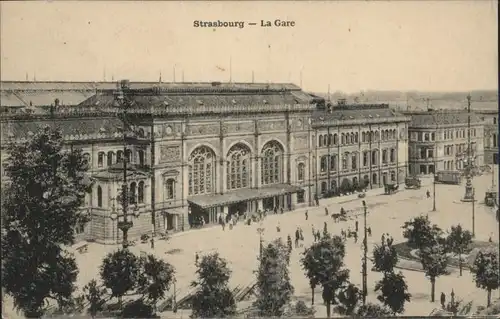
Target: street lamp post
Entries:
(365, 250)
(113, 217)
(124, 225)
(468, 196)
(260, 230)
(435, 167)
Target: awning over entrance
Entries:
(212, 200)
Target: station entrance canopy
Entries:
(242, 195)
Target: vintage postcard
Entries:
(211, 159)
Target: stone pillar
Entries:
(293, 201)
(223, 175)
(225, 211)
(259, 172)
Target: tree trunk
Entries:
(488, 303)
(460, 263)
(328, 308)
(433, 288)
(312, 295)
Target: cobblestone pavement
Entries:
(386, 214)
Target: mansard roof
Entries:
(358, 113)
(448, 117)
(25, 93)
(74, 128)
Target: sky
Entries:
(349, 46)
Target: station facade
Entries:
(206, 151)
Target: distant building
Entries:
(490, 118)
(438, 140)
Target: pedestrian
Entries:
(383, 239)
(297, 238)
(356, 226)
(316, 199)
(326, 211)
(301, 234)
(443, 299)
(196, 258)
(307, 215)
(278, 228)
(342, 211)
(325, 228)
(314, 232)
(318, 235)
(355, 238)
(428, 194)
(281, 210)
(275, 210)
(369, 231)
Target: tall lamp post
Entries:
(435, 167)
(365, 250)
(124, 225)
(113, 217)
(469, 191)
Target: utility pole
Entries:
(365, 250)
(435, 167)
(124, 225)
(473, 214)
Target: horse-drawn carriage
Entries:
(390, 188)
(490, 198)
(413, 182)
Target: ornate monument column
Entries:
(469, 189)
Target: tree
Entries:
(458, 241)
(434, 261)
(323, 264)
(274, 289)
(485, 269)
(40, 210)
(120, 272)
(393, 291)
(385, 258)
(213, 299)
(371, 310)
(349, 298)
(155, 278)
(420, 233)
(94, 296)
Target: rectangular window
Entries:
(423, 153)
(365, 159)
(420, 136)
(430, 153)
(426, 136)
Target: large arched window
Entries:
(99, 196)
(111, 156)
(133, 193)
(238, 167)
(345, 158)
(393, 155)
(170, 188)
(140, 154)
(320, 141)
(333, 162)
(354, 160)
(272, 162)
(335, 139)
(353, 140)
(329, 139)
(323, 163)
(301, 170)
(119, 156)
(100, 159)
(363, 137)
(201, 171)
(374, 157)
(140, 193)
(356, 137)
(128, 153)
(384, 156)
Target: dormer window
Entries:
(234, 101)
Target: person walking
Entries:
(289, 242)
(356, 226)
(301, 234)
(428, 194)
(326, 211)
(196, 258)
(443, 299)
(314, 233)
(307, 214)
(297, 237)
